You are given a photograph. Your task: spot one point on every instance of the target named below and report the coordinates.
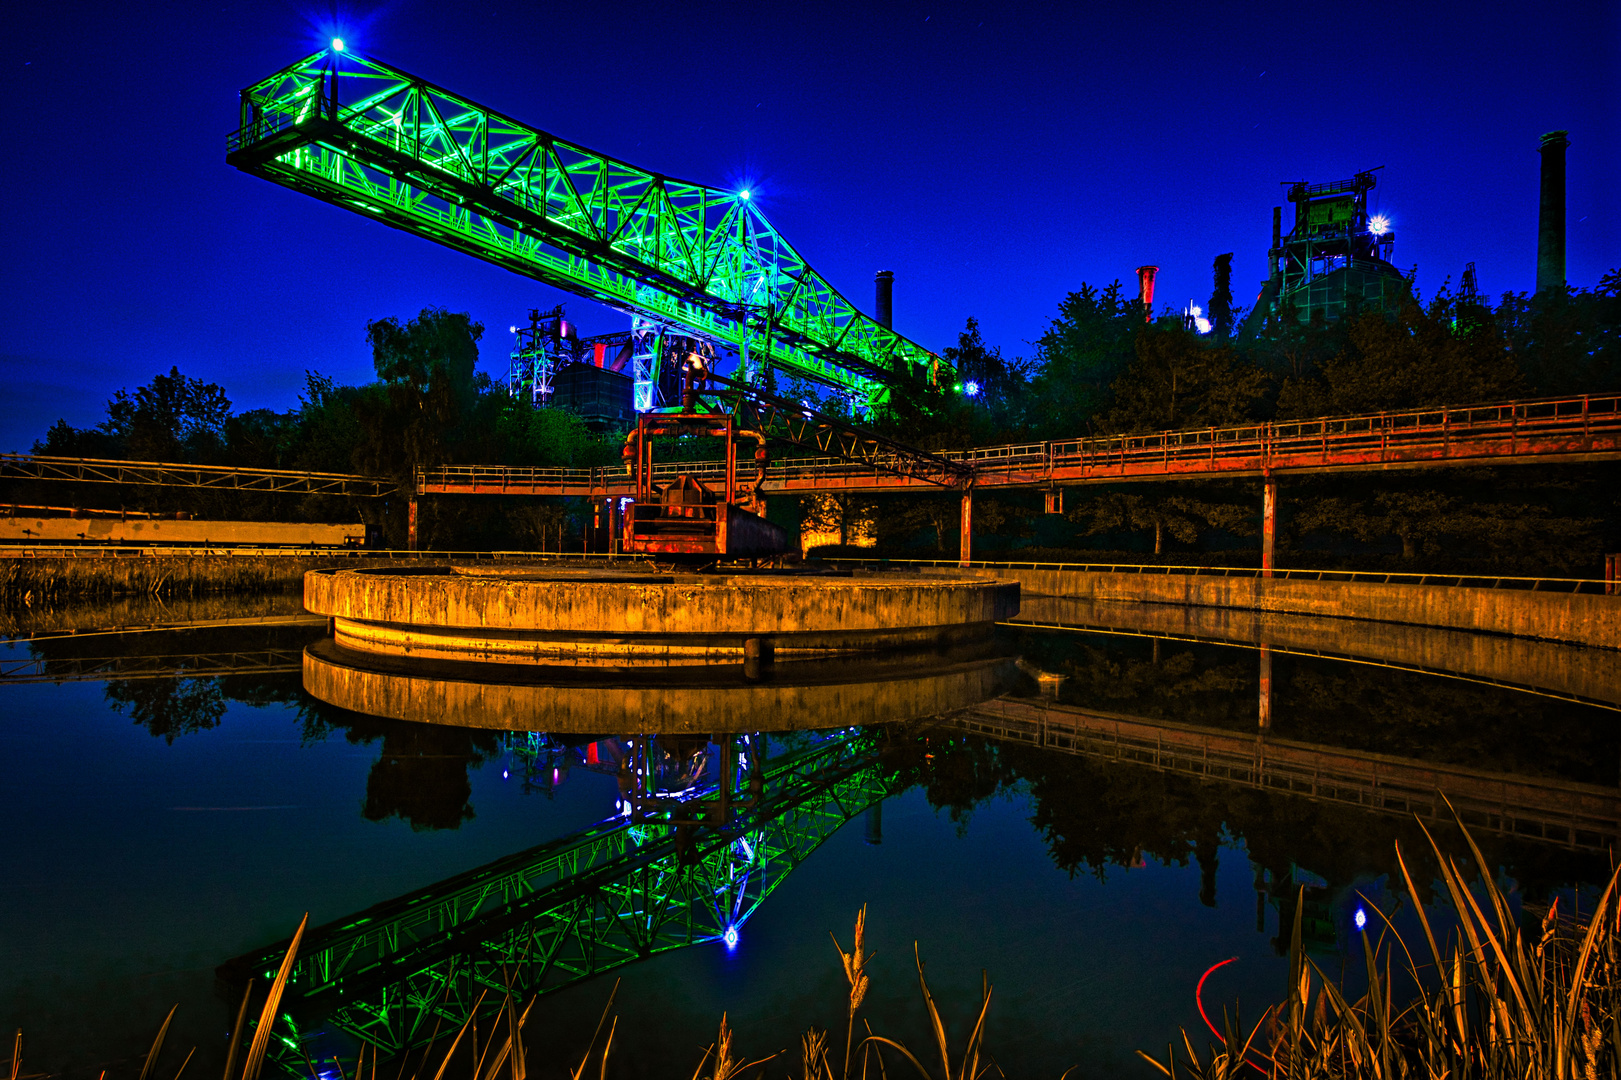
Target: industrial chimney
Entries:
(1145, 290)
(886, 299)
(1551, 213)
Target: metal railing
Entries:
(1380, 577)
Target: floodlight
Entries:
(337, 44)
(1379, 225)
(744, 194)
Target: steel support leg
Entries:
(1266, 688)
(411, 524)
(967, 528)
(1269, 524)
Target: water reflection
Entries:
(1168, 772)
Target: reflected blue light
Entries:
(1360, 918)
(730, 937)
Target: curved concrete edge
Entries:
(518, 647)
(746, 607)
(608, 710)
(1571, 670)
(1587, 619)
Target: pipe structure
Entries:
(1551, 213)
(1145, 290)
(884, 314)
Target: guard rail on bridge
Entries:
(1565, 430)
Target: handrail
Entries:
(1475, 581)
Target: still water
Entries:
(172, 799)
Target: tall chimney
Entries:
(886, 299)
(1277, 239)
(1551, 213)
(1145, 290)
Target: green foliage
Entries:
(1084, 350)
(1177, 380)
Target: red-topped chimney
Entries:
(1145, 290)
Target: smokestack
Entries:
(1145, 290)
(886, 299)
(1277, 237)
(1221, 301)
(1551, 213)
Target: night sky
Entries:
(994, 156)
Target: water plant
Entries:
(1502, 997)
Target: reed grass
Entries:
(1495, 1000)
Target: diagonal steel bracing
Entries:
(543, 919)
(177, 474)
(385, 144)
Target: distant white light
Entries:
(505, 773)
(1360, 918)
(337, 44)
(744, 194)
(971, 388)
(730, 937)
(1379, 225)
(512, 329)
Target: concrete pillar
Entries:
(967, 528)
(1266, 688)
(874, 831)
(615, 527)
(1269, 524)
(411, 524)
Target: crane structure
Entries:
(673, 255)
(546, 918)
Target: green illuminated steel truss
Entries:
(385, 144)
(543, 919)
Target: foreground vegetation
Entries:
(1099, 367)
(1498, 996)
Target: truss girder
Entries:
(543, 919)
(1556, 431)
(429, 162)
(172, 474)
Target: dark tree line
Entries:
(1099, 367)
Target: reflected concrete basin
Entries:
(1589, 674)
(674, 698)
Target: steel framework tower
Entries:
(385, 144)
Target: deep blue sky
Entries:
(994, 156)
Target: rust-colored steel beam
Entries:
(1570, 430)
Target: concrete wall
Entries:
(1572, 618)
(1594, 674)
(157, 531)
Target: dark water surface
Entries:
(180, 801)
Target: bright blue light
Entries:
(337, 44)
(730, 937)
(744, 194)
(1360, 918)
(971, 388)
(1379, 225)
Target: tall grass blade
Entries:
(1578, 977)
(935, 1023)
(17, 1054)
(577, 1073)
(267, 1016)
(445, 1063)
(157, 1045)
(236, 1031)
(183, 1064)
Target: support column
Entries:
(411, 523)
(1269, 523)
(1266, 689)
(615, 528)
(967, 528)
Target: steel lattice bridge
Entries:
(1569, 430)
(387, 145)
(544, 919)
